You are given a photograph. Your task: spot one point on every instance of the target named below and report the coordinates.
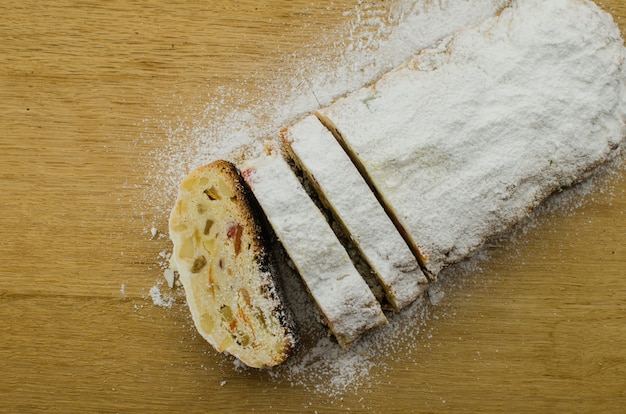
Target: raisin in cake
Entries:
(341, 294)
(467, 137)
(342, 188)
(224, 267)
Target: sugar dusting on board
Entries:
(234, 126)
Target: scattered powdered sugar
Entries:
(234, 125)
(159, 299)
(326, 368)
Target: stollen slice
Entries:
(342, 296)
(343, 190)
(466, 138)
(225, 270)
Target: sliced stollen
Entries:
(466, 138)
(339, 291)
(224, 268)
(343, 190)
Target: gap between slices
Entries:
(354, 157)
(360, 217)
(343, 235)
(341, 294)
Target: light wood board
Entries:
(85, 88)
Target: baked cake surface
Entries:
(465, 138)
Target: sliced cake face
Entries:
(224, 270)
(466, 138)
(340, 293)
(344, 191)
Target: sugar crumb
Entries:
(435, 294)
(159, 299)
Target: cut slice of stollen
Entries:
(342, 189)
(339, 291)
(224, 267)
(466, 138)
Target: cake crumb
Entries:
(435, 294)
(170, 277)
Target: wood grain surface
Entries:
(85, 88)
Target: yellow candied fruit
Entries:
(209, 245)
(186, 249)
(179, 228)
(207, 322)
(225, 189)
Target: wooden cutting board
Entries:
(85, 92)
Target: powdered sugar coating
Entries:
(338, 289)
(349, 196)
(466, 138)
